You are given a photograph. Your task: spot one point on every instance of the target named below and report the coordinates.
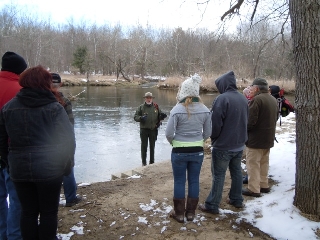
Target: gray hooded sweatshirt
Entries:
(229, 115)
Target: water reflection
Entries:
(108, 139)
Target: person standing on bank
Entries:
(229, 134)
(263, 116)
(41, 149)
(69, 181)
(149, 115)
(189, 125)
(11, 67)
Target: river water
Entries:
(107, 136)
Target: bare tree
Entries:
(305, 24)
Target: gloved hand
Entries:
(163, 116)
(143, 118)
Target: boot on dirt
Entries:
(191, 208)
(179, 208)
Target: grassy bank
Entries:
(207, 84)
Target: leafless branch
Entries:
(233, 9)
(254, 10)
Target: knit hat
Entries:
(260, 81)
(56, 78)
(13, 62)
(190, 87)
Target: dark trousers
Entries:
(145, 135)
(39, 199)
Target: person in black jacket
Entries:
(41, 148)
(228, 137)
(69, 181)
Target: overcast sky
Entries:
(157, 13)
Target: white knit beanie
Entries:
(189, 88)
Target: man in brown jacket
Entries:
(263, 116)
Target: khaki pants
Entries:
(257, 161)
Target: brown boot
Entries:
(179, 207)
(191, 208)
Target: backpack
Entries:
(285, 107)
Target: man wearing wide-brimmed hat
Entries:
(149, 115)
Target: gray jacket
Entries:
(193, 127)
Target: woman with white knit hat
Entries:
(189, 125)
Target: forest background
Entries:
(263, 49)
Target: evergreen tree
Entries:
(79, 59)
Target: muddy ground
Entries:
(138, 208)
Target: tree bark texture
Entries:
(305, 23)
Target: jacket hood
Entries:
(35, 97)
(226, 82)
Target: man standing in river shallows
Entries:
(148, 114)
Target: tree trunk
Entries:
(305, 23)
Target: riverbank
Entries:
(207, 84)
(138, 207)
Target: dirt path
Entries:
(139, 208)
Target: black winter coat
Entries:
(41, 137)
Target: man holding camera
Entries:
(149, 115)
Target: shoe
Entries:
(203, 208)
(74, 202)
(236, 205)
(264, 190)
(143, 164)
(247, 192)
(245, 179)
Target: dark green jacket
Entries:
(152, 118)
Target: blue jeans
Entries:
(9, 215)
(221, 160)
(183, 163)
(70, 187)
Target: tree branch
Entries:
(233, 9)
(254, 10)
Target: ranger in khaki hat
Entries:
(149, 115)
(147, 95)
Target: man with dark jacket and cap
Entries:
(69, 181)
(12, 66)
(228, 137)
(263, 116)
